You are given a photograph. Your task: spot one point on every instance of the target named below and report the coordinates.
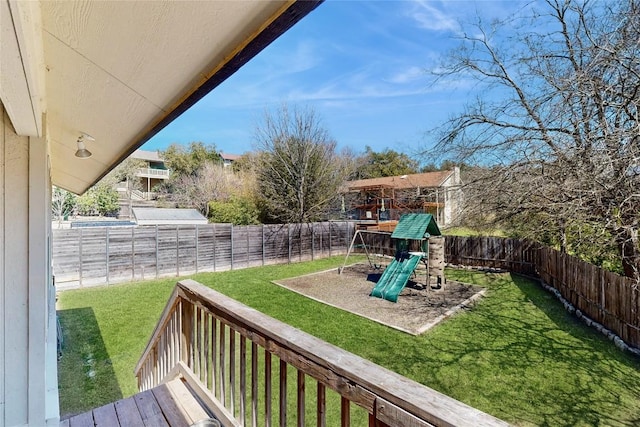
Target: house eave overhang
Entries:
(21, 66)
(281, 22)
(122, 71)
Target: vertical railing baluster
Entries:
(187, 334)
(160, 350)
(321, 411)
(172, 327)
(301, 398)
(345, 412)
(254, 384)
(283, 393)
(243, 379)
(155, 367)
(214, 352)
(223, 363)
(198, 344)
(165, 352)
(232, 371)
(207, 364)
(176, 346)
(267, 388)
(174, 335)
(167, 340)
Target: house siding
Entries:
(26, 365)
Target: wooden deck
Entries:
(170, 404)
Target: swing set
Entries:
(375, 253)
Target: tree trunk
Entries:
(630, 253)
(563, 238)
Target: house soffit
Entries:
(121, 71)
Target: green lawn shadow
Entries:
(519, 355)
(86, 378)
(598, 368)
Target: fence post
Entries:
(330, 239)
(246, 227)
(262, 244)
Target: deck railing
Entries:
(153, 173)
(241, 361)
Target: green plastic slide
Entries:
(395, 278)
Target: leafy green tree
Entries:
(245, 163)
(101, 199)
(237, 210)
(63, 203)
(299, 172)
(188, 160)
(445, 165)
(385, 163)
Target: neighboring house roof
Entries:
(230, 157)
(415, 226)
(166, 216)
(149, 156)
(429, 179)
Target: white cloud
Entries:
(408, 75)
(429, 17)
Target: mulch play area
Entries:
(418, 308)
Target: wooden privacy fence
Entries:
(604, 297)
(96, 255)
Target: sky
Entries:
(362, 66)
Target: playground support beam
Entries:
(355, 235)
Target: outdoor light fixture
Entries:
(82, 152)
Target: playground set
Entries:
(413, 236)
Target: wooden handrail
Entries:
(390, 398)
(160, 326)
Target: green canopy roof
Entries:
(415, 226)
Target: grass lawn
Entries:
(517, 355)
(466, 232)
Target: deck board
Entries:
(82, 420)
(174, 415)
(150, 410)
(128, 413)
(189, 404)
(105, 416)
(168, 405)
